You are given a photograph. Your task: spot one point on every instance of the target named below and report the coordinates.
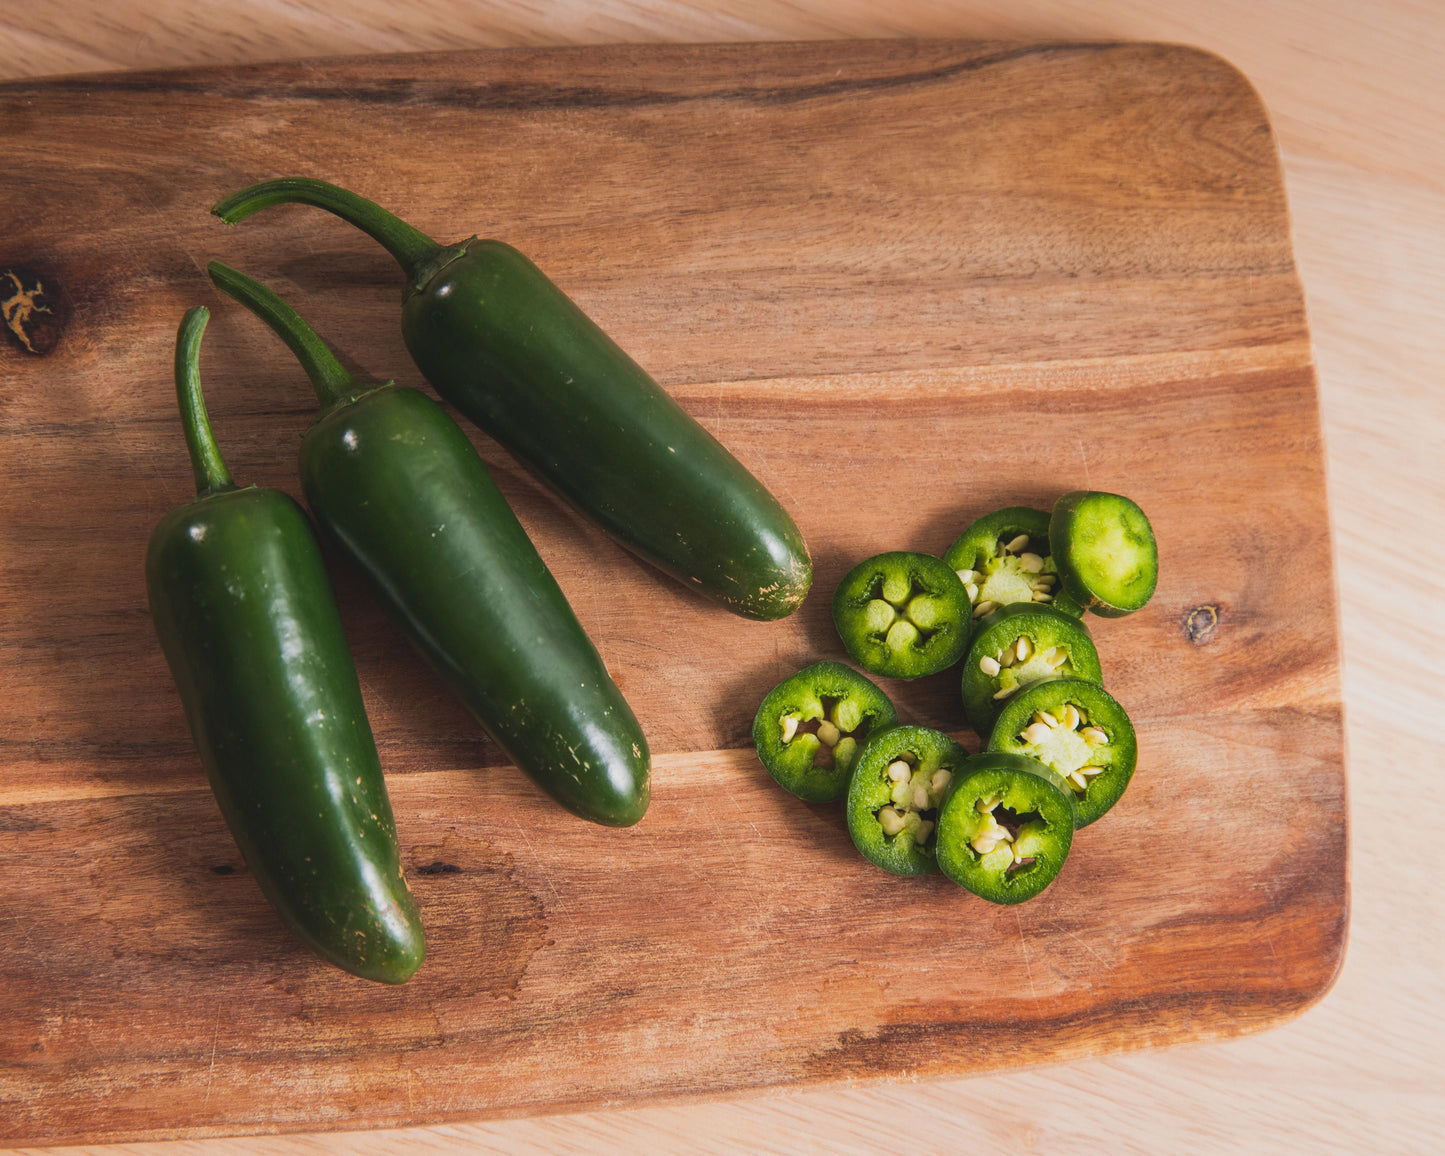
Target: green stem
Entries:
(329, 378)
(206, 461)
(411, 247)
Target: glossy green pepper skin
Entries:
(245, 615)
(809, 728)
(1105, 550)
(1006, 827)
(397, 484)
(510, 350)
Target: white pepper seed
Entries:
(925, 829)
(1094, 736)
(1043, 716)
(828, 734)
(971, 590)
(1040, 596)
(939, 783)
(988, 665)
(900, 794)
(967, 576)
(1018, 545)
(1036, 733)
(1078, 780)
(1071, 717)
(985, 607)
(920, 798)
(891, 821)
(1090, 772)
(1031, 563)
(985, 806)
(899, 771)
(1004, 692)
(1023, 648)
(984, 845)
(790, 727)
(1006, 657)
(1056, 657)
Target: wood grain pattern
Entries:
(907, 283)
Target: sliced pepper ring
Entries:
(1006, 827)
(1004, 558)
(900, 778)
(1105, 550)
(810, 727)
(902, 615)
(1019, 645)
(1077, 729)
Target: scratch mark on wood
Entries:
(1024, 948)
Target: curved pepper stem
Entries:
(329, 378)
(212, 476)
(412, 248)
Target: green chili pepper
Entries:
(1019, 645)
(1105, 550)
(1004, 558)
(900, 778)
(902, 615)
(1079, 731)
(1006, 828)
(400, 488)
(246, 619)
(511, 351)
(808, 729)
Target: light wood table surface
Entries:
(1356, 92)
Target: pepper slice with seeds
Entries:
(808, 729)
(1006, 827)
(1004, 558)
(1077, 729)
(1105, 550)
(900, 778)
(902, 615)
(1019, 645)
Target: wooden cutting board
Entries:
(907, 283)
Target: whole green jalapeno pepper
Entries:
(1019, 645)
(401, 489)
(246, 618)
(808, 729)
(902, 615)
(1105, 550)
(1004, 558)
(900, 779)
(1077, 729)
(1006, 827)
(510, 350)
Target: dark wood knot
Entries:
(1202, 623)
(32, 309)
(439, 868)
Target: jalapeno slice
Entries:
(1105, 550)
(1017, 646)
(1006, 828)
(810, 727)
(902, 615)
(1004, 558)
(1077, 729)
(900, 778)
